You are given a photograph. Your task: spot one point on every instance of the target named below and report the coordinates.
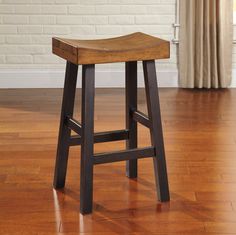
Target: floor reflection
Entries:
(57, 209)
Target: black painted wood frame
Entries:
(86, 136)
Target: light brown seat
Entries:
(133, 47)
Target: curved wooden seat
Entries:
(133, 47)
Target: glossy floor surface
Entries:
(200, 138)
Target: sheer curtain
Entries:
(206, 40)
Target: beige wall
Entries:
(27, 26)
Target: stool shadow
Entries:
(114, 219)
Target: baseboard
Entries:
(35, 78)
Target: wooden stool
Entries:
(128, 49)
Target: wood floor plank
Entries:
(200, 137)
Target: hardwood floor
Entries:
(200, 138)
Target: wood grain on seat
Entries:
(133, 47)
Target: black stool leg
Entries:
(64, 131)
(156, 130)
(131, 104)
(86, 176)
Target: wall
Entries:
(27, 26)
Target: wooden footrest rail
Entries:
(74, 125)
(124, 155)
(109, 136)
(105, 136)
(102, 137)
(141, 118)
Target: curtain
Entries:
(206, 41)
